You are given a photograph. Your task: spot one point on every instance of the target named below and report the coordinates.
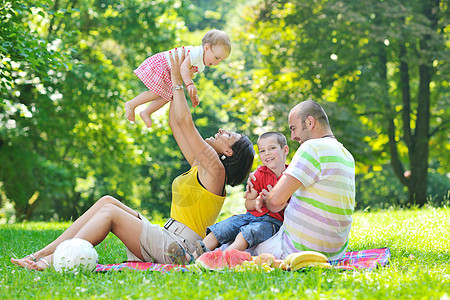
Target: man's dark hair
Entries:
(239, 165)
(313, 109)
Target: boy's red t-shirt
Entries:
(264, 177)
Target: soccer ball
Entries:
(75, 255)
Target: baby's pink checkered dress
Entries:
(154, 72)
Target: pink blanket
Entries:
(364, 259)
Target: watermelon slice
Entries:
(235, 257)
(213, 260)
(218, 260)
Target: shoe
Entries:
(200, 248)
(178, 255)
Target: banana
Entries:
(294, 259)
(311, 256)
(289, 258)
(310, 264)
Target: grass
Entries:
(419, 268)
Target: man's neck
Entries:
(322, 134)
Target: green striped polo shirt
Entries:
(319, 214)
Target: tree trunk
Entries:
(30, 209)
(419, 163)
(389, 115)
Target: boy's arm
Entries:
(253, 190)
(249, 186)
(250, 198)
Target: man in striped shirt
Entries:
(321, 180)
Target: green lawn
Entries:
(420, 267)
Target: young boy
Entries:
(258, 224)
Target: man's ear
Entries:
(310, 122)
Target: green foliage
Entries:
(205, 14)
(66, 71)
(64, 140)
(61, 127)
(370, 63)
(419, 267)
(21, 46)
(374, 187)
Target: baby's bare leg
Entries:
(142, 98)
(151, 108)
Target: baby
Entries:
(154, 72)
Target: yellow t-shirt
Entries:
(192, 204)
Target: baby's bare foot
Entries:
(129, 112)
(146, 118)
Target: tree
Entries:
(26, 59)
(68, 71)
(380, 62)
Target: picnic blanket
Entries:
(364, 259)
(140, 266)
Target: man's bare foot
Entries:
(146, 118)
(22, 262)
(129, 111)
